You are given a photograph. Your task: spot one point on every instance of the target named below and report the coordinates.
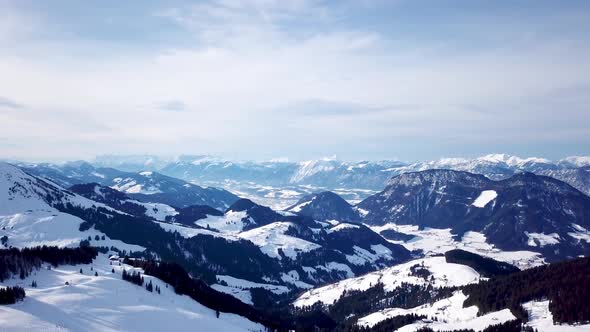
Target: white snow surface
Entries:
(445, 274)
(341, 226)
(157, 211)
(578, 161)
(541, 319)
(580, 233)
(436, 241)
(188, 232)
(240, 288)
(298, 207)
(541, 240)
(231, 222)
(270, 238)
(53, 228)
(484, 198)
(27, 220)
(108, 303)
(449, 313)
(292, 277)
(311, 167)
(362, 256)
(130, 186)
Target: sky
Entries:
(262, 79)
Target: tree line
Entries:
(564, 284)
(21, 262)
(11, 295)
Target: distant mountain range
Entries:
(145, 186)
(333, 174)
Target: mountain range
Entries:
(280, 184)
(265, 258)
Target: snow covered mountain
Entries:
(280, 184)
(120, 201)
(523, 212)
(29, 213)
(578, 178)
(572, 170)
(145, 186)
(310, 252)
(247, 242)
(333, 175)
(132, 163)
(325, 206)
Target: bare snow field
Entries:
(108, 303)
(541, 319)
(449, 314)
(435, 241)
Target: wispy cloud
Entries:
(298, 78)
(171, 105)
(8, 103)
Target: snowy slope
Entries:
(540, 318)
(28, 220)
(108, 303)
(188, 232)
(484, 198)
(434, 241)
(157, 211)
(445, 274)
(270, 238)
(240, 288)
(448, 314)
(231, 222)
(51, 227)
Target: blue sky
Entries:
(260, 79)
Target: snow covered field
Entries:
(445, 274)
(541, 319)
(434, 241)
(230, 222)
(449, 313)
(47, 226)
(272, 237)
(108, 303)
(240, 288)
(484, 198)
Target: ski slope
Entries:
(108, 303)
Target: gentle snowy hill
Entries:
(108, 303)
(443, 275)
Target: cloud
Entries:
(7, 103)
(221, 22)
(171, 105)
(303, 78)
